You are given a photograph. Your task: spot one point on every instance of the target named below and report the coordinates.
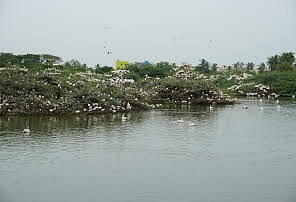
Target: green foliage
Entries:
(285, 66)
(262, 68)
(140, 70)
(8, 59)
(284, 83)
(104, 69)
(32, 84)
(214, 68)
(203, 67)
(250, 66)
(283, 62)
(273, 62)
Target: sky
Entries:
(220, 31)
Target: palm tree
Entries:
(261, 67)
(214, 67)
(287, 57)
(250, 66)
(273, 62)
(204, 66)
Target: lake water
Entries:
(231, 154)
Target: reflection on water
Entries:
(228, 154)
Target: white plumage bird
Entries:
(26, 130)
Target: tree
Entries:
(285, 66)
(286, 61)
(261, 67)
(7, 59)
(203, 67)
(73, 63)
(287, 57)
(250, 66)
(214, 67)
(50, 58)
(102, 70)
(273, 62)
(238, 65)
(229, 69)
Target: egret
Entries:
(26, 130)
(123, 118)
(211, 108)
(191, 124)
(180, 121)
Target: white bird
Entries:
(245, 107)
(211, 108)
(26, 130)
(123, 118)
(277, 101)
(180, 121)
(191, 124)
(128, 106)
(261, 108)
(278, 107)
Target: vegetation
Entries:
(282, 62)
(42, 84)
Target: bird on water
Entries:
(26, 130)
(245, 107)
(211, 108)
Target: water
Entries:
(231, 154)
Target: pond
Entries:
(177, 153)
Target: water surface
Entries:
(231, 154)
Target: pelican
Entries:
(26, 131)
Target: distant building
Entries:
(121, 64)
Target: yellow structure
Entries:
(121, 64)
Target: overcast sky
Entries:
(221, 31)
